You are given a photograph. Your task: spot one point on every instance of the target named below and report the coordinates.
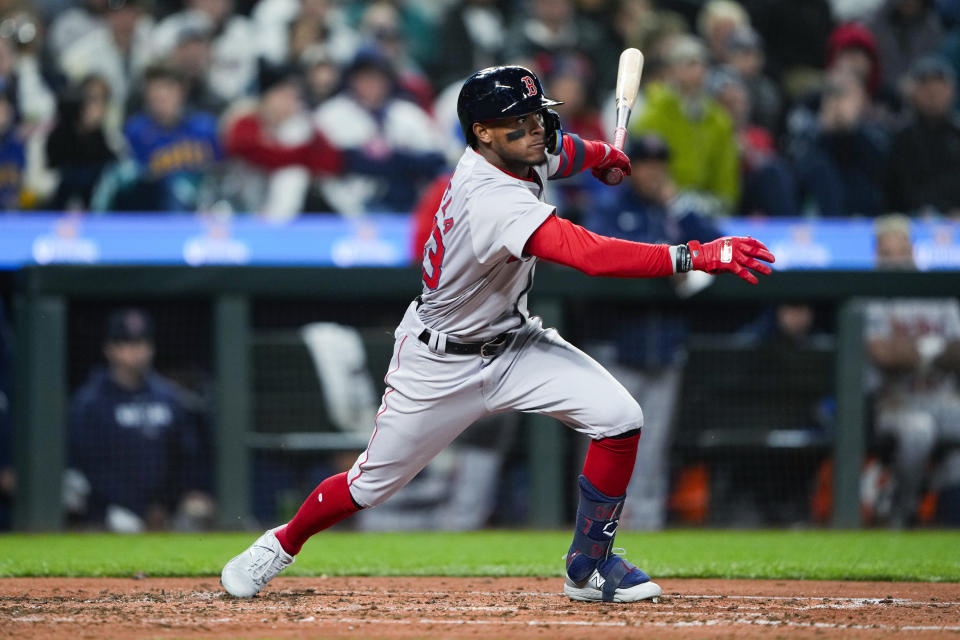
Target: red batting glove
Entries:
(614, 158)
(734, 254)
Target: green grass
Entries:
(827, 555)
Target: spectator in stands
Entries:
(77, 148)
(12, 157)
(381, 29)
(7, 477)
(904, 30)
(172, 147)
(409, 20)
(795, 36)
(640, 24)
(119, 54)
(132, 436)
(841, 165)
(717, 21)
(914, 347)
(277, 147)
(321, 75)
(395, 135)
(925, 153)
(233, 65)
(853, 48)
(552, 27)
(472, 36)
(73, 23)
(273, 20)
(569, 80)
(21, 77)
(192, 59)
(745, 56)
(768, 184)
(647, 351)
(703, 150)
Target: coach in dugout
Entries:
(135, 448)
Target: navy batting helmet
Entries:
(499, 92)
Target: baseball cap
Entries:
(370, 59)
(129, 325)
(648, 146)
(930, 67)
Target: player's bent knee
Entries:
(620, 419)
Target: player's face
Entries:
(518, 141)
(133, 356)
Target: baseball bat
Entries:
(628, 84)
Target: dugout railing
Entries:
(40, 318)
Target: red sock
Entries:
(329, 503)
(609, 464)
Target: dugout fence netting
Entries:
(750, 418)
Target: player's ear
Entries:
(482, 132)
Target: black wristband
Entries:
(684, 261)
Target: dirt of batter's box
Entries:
(109, 608)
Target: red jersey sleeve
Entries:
(561, 241)
(577, 154)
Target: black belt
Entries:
(489, 349)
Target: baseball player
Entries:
(467, 347)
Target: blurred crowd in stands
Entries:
(281, 107)
(276, 107)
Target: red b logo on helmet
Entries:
(531, 87)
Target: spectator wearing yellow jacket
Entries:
(698, 131)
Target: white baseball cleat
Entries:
(591, 590)
(246, 574)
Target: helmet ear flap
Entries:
(552, 131)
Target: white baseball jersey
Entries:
(914, 318)
(475, 283)
(475, 276)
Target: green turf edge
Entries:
(923, 556)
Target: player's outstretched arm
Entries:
(734, 254)
(561, 241)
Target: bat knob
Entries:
(612, 176)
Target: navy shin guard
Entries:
(598, 516)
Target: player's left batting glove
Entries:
(552, 131)
(613, 158)
(734, 254)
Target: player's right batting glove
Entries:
(734, 254)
